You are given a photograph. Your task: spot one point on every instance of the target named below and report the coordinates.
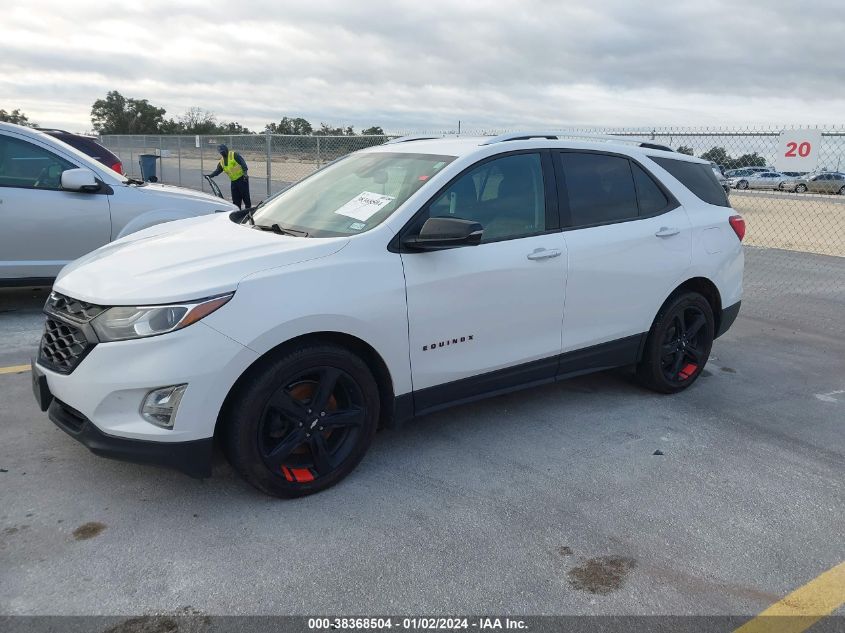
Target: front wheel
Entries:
(678, 344)
(302, 421)
(742, 184)
(801, 188)
(842, 191)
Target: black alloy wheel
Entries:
(311, 424)
(678, 344)
(681, 354)
(302, 420)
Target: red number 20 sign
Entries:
(798, 150)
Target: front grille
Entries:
(67, 337)
(63, 346)
(72, 309)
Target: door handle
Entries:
(667, 231)
(543, 253)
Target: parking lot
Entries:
(591, 496)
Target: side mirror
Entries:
(441, 233)
(80, 180)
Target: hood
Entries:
(183, 260)
(183, 193)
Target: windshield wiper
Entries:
(252, 210)
(275, 228)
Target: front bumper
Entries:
(98, 402)
(192, 458)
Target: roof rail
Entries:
(406, 139)
(523, 136)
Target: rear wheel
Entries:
(801, 188)
(678, 344)
(304, 422)
(842, 191)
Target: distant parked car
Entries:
(747, 171)
(57, 204)
(821, 183)
(762, 180)
(717, 171)
(87, 145)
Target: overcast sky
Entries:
(412, 65)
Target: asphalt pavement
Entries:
(591, 496)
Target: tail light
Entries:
(118, 167)
(738, 225)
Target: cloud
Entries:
(411, 65)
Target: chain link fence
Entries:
(795, 255)
(275, 160)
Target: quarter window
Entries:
(506, 196)
(697, 177)
(25, 165)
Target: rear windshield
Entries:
(698, 178)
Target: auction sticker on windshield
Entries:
(363, 206)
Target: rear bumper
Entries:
(192, 458)
(727, 318)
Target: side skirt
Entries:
(618, 353)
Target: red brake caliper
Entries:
(299, 475)
(687, 371)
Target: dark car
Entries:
(87, 145)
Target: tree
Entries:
(719, 156)
(684, 149)
(118, 115)
(750, 160)
(375, 131)
(233, 127)
(328, 130)
(17, 117)
(290, 126)
(171, 126)
(198, 121)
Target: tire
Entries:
(842, 190)
(671, 363)
(742, 184)
(800, 188)
(302, 421)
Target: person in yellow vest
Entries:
(235, 167)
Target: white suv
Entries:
(57, 204)
(397, 281)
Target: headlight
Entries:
(122, 323)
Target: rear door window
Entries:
(599, 188)
(696, 177)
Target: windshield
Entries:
(352, 195)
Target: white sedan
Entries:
(761, 180)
